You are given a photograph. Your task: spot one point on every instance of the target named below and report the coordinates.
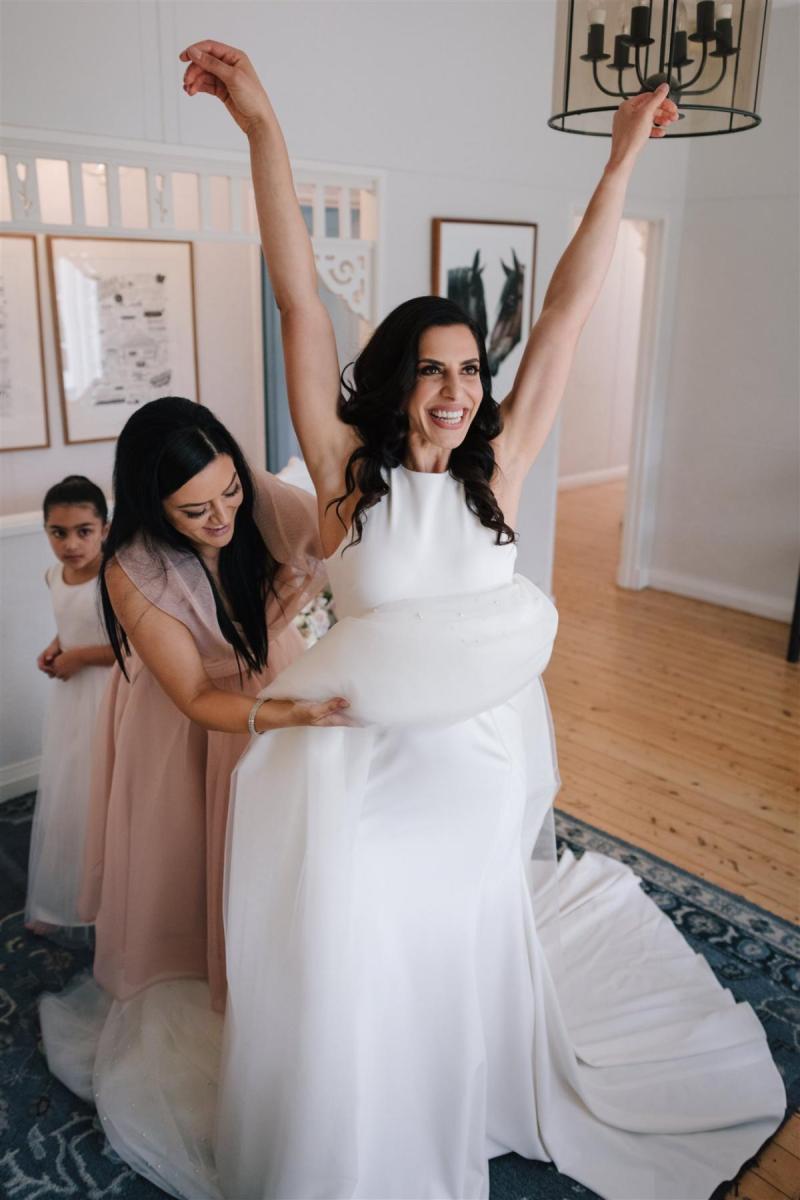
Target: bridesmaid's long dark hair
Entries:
(383, 377)
(163, 445)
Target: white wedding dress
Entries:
(414, 987)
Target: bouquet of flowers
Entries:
(316, 618)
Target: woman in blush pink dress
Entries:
(205, 565)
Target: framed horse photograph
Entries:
(488, 268)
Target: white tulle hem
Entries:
(150, 1064)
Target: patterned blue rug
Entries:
(51, 1145)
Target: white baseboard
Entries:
(637, 578)
(759, 603)
(19, 778)
(587, 478)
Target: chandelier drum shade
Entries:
(710, 52)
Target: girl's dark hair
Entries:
(383, 377)
(76, 489)
(162, 446)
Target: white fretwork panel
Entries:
(345, 267)
(52, 187)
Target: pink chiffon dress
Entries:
(155, 843)
(155, 840)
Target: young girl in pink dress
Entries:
(78, 661)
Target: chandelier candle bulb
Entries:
(621, 53)
(726, 12)
(724, 35)
(640, 24)
(595, 47)
(597, 16)
(679, 48)
(705, 20)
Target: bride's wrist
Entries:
(261, 126)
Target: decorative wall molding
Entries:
(17, 779)
(137, 189)
(606, 475)
(346, 270)
(21, 524)
(776, 608)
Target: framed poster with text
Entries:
(23, 401)
(125, 329)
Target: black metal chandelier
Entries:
(709, 51)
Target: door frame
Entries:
(651, 389)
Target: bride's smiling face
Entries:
(448, 390)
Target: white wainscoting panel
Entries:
(26, 627)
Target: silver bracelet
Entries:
(251, 719)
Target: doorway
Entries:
(606, 412)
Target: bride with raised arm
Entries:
(413, 986)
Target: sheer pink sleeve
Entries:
(287, 519)
(175, 582)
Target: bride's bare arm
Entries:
(531, 407)
(312, 369)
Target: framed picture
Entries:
(23, 403)
(125, 328)
(488, 268)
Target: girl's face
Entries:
(448, 391)
(204, 508)
(75, 533)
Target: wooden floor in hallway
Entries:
(678, 727)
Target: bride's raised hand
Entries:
(640, 118)
(227, 73)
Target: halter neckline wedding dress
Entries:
(413, 987)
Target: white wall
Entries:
(451, 99)
(597, 411)
(727, 518)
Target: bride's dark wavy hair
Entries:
(383, 377)
(162, 446)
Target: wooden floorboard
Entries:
(678, 729)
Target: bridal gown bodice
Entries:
(419, 541)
